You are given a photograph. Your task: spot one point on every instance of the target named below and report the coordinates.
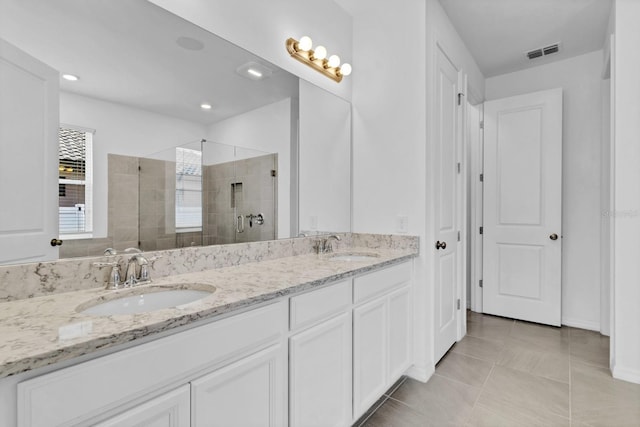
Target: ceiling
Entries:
(499, 32)
(126, 52)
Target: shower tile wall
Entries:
(149, 195)
(219, 217)
(241, 187)
(122, 227)
(157, 204)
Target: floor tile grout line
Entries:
(457, 381)
(473, 357)
(475, 402)
(377, 407)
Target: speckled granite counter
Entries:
(31, 328)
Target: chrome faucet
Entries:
(323, 246)
(132, 276)
(328, 243)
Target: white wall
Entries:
(121, 130)
(324, 160)
(580, 78)
(626, 176)
(390, 131)
(266, 129)
(262, 27)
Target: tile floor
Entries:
(513, 373)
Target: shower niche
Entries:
(206, 193)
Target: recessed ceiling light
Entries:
(206, 106)
(70, 77)
(254, 71)
(189, 43)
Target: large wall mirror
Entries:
(174, 137)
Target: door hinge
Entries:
(480, 282)
(459, 167)
(458, 303)
(458, 236)
(460, 95)
(274, 173)
(481, 124)
(481, 230)
(481, 177)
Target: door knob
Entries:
(441, 245)
(56, 242)
(554, 236)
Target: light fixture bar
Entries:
(320, 65)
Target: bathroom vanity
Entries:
(305, 340)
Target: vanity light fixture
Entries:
(70, 77)
(316, 58)
(206, 106)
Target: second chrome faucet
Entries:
(137, 272)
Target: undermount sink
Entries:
(145, 299)
(353, 256)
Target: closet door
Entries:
(522, 213)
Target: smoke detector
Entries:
(543, 51)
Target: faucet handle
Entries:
(133, 250)
(114, 275)
(110, 251)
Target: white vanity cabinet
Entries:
(381, 333)
(320, 362)
(319, 358)
(249, 392)
(171, 409)
(241, 358)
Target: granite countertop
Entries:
(44, 330)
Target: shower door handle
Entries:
(240, 224)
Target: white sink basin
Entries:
(353, 256)
(136, 300)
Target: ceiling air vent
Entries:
(554, 48)
(534, 54)
(543, 51)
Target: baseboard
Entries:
(581, 324)
(420, 373)
(626, 374)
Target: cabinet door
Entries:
(249, 392)
(400, 331)
(169, 410)
(370, 354)
(320, 374)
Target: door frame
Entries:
(476, 158)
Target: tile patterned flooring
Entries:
(512, 373)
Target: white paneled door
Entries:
(522, 207)
(29, 122)
(446, 185)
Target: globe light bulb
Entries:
(345, 70)
(320, 52)
(334, 61)
(305, 43)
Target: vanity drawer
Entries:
(379, 282)
(316, 305)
